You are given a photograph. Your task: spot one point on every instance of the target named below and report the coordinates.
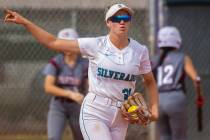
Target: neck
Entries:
(119, 41)
(70, 60)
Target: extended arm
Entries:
(192, 73)
(45, 38)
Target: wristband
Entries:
(198, 79)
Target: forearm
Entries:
(45, 38)
(57, 91)
(152, 91)
(40, 35)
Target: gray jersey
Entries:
(61, 108)
(170, 74)
(67, 77)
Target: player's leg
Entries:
(119, 126)
(178, 116)
(163, 126)
(91, 126)
(55, 120)
(73, 120)
(119, 133)
(95, 118)
(179, 127)
(95, 130)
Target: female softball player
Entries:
(170, 68)
(115, 60)
(65, 73)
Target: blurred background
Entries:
(23, 103)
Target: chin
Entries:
(123, 33)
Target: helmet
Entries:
(169, 36)
(68, 33)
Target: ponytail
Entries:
(163, 53)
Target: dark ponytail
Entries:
(163, 53)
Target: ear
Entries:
(108, 23)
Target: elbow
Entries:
(51, 44)
(47, 89)
(154, 117)
(154, 113)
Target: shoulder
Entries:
(178, 54)
(137, 47)
(92, 44)
(57, 61)
(187, 58)
(58, 57)
(92, 40)
(101, 40)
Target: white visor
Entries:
(117, 7)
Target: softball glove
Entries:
(135, 110)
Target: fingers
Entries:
(131, 100)
(7, 11)
(144, 116)
(123, 108)
(140, 98)
(78, 97)
(133, 118)
(7, 18)
(9, 15)
(137, 98)
(126, 105)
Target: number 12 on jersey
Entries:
(165, 74)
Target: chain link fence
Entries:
(23, 103)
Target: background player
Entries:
(170, 68)
(114, 62)
(65, 75)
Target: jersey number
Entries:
(126, 92)
(165, 75)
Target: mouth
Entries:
(123, 28)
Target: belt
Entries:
(170, 91)
(63, 99)
(105, 100)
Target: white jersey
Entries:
(112, 72)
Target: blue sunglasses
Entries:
(120, 18)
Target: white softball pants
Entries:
(101, 119)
